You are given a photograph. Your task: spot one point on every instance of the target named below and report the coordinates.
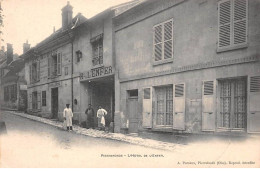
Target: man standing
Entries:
(90, 117)
(101, 118)
(67, 115)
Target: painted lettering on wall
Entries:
(96, 72)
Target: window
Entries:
(34, 100)
(97, 48)
(232, 24)
(6, 93)
(233, 103)
(13, 92)
(54, 65)
(163, 41)
(132, 93)
(66, 71)
(35, 72)
(164, 106)
(43, 98)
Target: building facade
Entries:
(74, 65)
(188, 67)
(13, 94)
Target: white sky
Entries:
(33, 20)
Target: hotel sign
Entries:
(96, 73)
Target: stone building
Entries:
(188, 66)
(13, 94)
(74, 65)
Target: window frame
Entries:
(44, 102)
(163, 60)
(232, 46)
(97, 45)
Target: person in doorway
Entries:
(90, 117)
(101, 113)
(67, 115)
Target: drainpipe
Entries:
(71, 39)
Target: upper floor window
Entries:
(163, 41)
(35, 72)
(54, 65)
(97, 49)
(232, 24)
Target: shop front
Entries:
(98, 87)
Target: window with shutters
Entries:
(54, 65)
(164, 106)
(233, 93)
(232, 24)
(163, 42)
(35, 72)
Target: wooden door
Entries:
(54, 103)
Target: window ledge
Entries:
(234, 47)
(97, 66)
(155, 63)
(162, 129)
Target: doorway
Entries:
(132, 110)
(54, 103)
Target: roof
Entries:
(76, 21)
(15, 67)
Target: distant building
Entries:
(188, 66)
(13, 83)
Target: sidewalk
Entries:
(146, 142)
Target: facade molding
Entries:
(142, 12)
(199, 66)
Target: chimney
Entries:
(9, 53)
(66, 16)
(26, 46)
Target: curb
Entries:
(150, 143)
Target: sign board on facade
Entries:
(96, 72)
(55, 84)
(23, 87)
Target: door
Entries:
(233, 103)
(54, 103)
(132, 105)
(254, 105)
(164, 106)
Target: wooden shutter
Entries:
(179, 107)
(59, 63)
(30, 68)
(253, 121)
(30, 101)
(49, 66)
(224, 23)
(39, 100)
(157, 40)
(208, 106)
(38, 71)
(147, 107)
(240, 21)
(168, 40)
